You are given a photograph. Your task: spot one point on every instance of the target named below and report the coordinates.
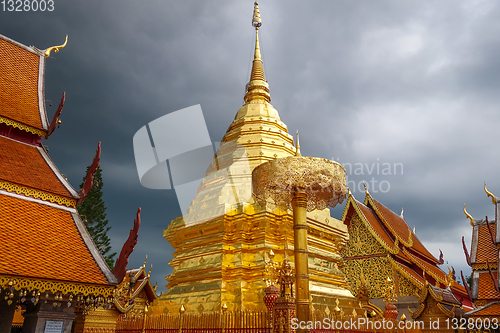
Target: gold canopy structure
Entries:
(300, 184)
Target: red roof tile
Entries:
(487, 310)
(486, 288)
(398, 224)
(19, 81)
(486, 250)
(374, 222)
(43, 242)
(24, 165)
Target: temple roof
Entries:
(30, 167)
(44, 242)
(486, 287)
(374, 222)
(398, 227)
(484, 255)
(407, 254)
(22, 85)
(445, 303)
(491, 309)
(485, 249)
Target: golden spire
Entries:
(297, 148)
(257, 89)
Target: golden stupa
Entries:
(222, 242)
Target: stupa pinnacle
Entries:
(257, 89)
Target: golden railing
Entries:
(210, 322)
(374, 326)
(237, 322)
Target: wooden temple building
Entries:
(382, 245)
(483, 259)
(50, 265)
(52, 276)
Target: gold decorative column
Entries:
(300, 184)
(299, 204)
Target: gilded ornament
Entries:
(323, 180)
(22, 127)
(55, 48)
(29, 192)
(491, 195)
(469, 217)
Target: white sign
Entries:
(52, 326)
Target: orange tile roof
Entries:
(411, 272)
(372, 218)
(486, 288)
(486, 250)
(43, 242)
(398, 224)
(19, 82)
(430, 268)
(23, 164)
(487, 310)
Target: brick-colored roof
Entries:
(486, 250)
(372, 218)
(19, 73)
(398, 224)
(432, 268)
(486, 288)
(23, 164)
(492, 309)
(43, 242)
(411, 272)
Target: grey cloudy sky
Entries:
(370, 82)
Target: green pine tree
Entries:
(468, 279)
(93, 212)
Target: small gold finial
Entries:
(469, 217)
(366, 189)
(55, 48)
(224, 307)
(182, 309)
(144, 264)
(256, 21)
(297, 148)
(403, 317)
(493, 198)
(374, 314)
(257, 89)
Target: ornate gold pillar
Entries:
(301, 184)
(299, 204)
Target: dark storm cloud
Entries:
(413, 82)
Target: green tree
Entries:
(468, 279)
(93, 212)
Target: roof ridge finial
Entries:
(257, 88)
(55, 48)
(491, 195)
(469, 217)
(297, 148)
(366, 189)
